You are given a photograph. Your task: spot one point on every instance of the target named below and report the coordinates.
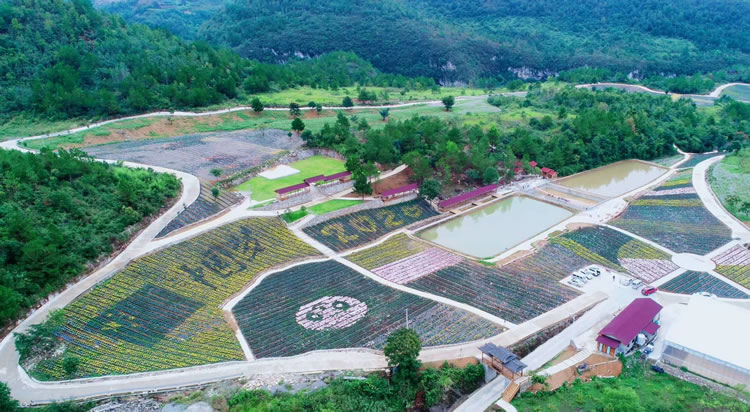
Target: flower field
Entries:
(205, 206)
(673, 216)
(610, 248)
(414, 267)
(396, 248)
(162, 311)
(693, 282)
(735, 264)
(326, 305)
(510, 296)
(359, 228)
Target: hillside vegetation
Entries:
(59, 212)
(462, 40)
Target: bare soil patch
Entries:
(392, 182)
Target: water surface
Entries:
(496, 228)
(615, 179)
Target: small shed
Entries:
(399, 192)
(289, 191)
(502, 360)
(533, 163)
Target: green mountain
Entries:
(181, 17)
(465, 39)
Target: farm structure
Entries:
(548, 173)
(359, 228)
(327, 305)
(640, 317)
(697, 282)
(304, 187)
(467, 197)
(399, 192)
(205, 206)
(674, 216)
(198, 154)
(162, 311)
(502, 360)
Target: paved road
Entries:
(715, 93)
(484, 396)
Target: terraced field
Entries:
(163, 310)
(697, 158)
(205, 206)
(359, 228)
(693, 282)
(327, 305)
(516, 292)
(673, 216)
(735, 264)
(610, 248)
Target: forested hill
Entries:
(465, 39)
(65, 59)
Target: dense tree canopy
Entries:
(466, 39)
(59, 212)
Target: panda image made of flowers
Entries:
(331, 312)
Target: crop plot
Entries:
(616, 250)
(326, 305)
(359, 228)
(163, 310)
(699, 157)
(205, 206)
(673, 216)
(693, 282)
(197, 154)
(396, 248)
(735, 264)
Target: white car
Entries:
(579, 277)
(588, 275)
(636, 284)
(626, 281)
(576, 282)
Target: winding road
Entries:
(32, 392)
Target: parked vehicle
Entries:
(626, 281)
(657, 369)
(648, 290)
(596, 271)
(576, 282)
(636, 284)
(579, 277)
(587, 274)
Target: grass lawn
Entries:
(331, 205)
(290, 217)
(23, 125)
(731, 177)
(264, 189)
(637, 389)
(739, 92)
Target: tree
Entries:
(318, 108)
(70, 365)
(294, 109)
(362, 183)
(7, 403)
(430, 189)
(12, 302)
(448, 102)
(298, 125)
(402, 351)
(384, 113)
(257, 105)
(312, 104)
(216, 171)
(347, 102)
(490, 175)
(215, 191)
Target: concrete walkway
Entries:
(702, 188)
(485, 396)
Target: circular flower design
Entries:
(331, 312)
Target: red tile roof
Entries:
(291, 188)
(469, 195)
(533, 163)
(632, 320)
(339, 175)
(517, 170)
(401, 189)
(314, 179)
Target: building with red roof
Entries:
(289, 191)
(399, 192)
(548, 173)
(339, 177)
(640, 317)
(468, 196)
(315, 179)
(533, 163)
